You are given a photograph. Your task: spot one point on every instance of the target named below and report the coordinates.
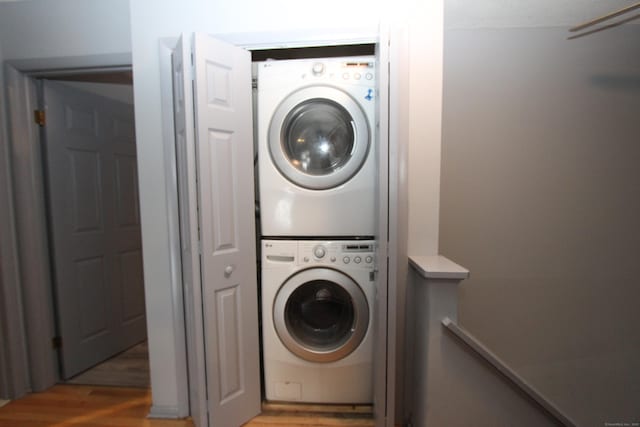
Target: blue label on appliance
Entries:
(369, 95)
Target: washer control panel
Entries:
(339, 253)
(342, 253)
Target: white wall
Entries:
(425, 117)
(64, 29)
(291, 15)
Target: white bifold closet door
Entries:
(213, 123)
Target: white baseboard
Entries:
(3, 402)
(171, 412)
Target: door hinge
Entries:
(56, 342)
(39, 117)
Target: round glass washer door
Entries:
(319, 137)
(321, 315)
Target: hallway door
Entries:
(92, 191)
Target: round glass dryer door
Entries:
(319, 137)
(321, 315)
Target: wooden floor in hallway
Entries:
(127, 369)
(84, 406)
(97, 406)
(274, 414)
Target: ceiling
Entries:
(523, 13)
(527, 13)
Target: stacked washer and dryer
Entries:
(317, 178)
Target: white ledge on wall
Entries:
(437, 267)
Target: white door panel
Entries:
(217, 171)
(222, 88)
(189, 228)
(94, 225)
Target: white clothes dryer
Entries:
(317, 316)
(316, 133)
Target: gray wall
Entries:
(13, 368)
(6, 241)
(540, 199)
(448, 384)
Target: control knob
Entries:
(319, 252)
(317, 69)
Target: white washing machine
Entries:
(317, 316)
(316, 133)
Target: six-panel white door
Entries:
(216, 181)
(94, 223)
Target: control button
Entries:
(319, 252)
(345, 76)
(333, 259)
(306, 259)
(346, 260)
(317, 69)
(368, 259)
(357, 260)
(357, 76)
(368, 76)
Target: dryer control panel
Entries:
(346, 71)
(349, 70)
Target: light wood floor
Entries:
(312, 416)
(127, 369)
(94, 406)
(84, 406)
